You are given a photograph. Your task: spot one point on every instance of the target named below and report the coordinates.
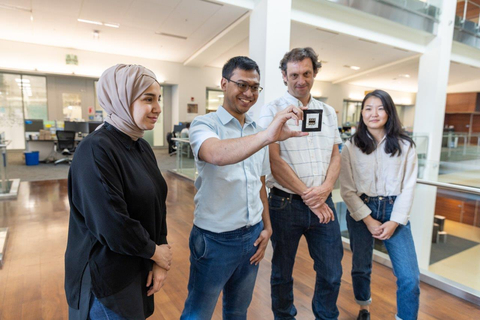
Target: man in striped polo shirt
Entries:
(303, 173)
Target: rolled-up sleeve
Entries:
(266, 162)
(358, 209)
(403, 203)
(201, 129)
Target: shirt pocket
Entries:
(393, 170)
(363, 174)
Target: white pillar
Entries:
(269, 41)
(429, 118)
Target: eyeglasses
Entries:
(244, 87)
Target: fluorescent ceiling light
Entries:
(112, 25)
(6, 6)
(328, 31)
(352, 67)
(91, 22)
(171, 35)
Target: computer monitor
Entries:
(76, 126)
(92, 125)
(178, 127)
(33, 125)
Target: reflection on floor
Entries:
(464, 266)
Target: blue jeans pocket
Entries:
(198, 244)
(277, 202)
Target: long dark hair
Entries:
(393, 128)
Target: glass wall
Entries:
(35, 97)
(21, 97)
(214, 99)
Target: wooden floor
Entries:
(31, 281)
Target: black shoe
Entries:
(363, 315)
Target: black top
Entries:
(117, 213)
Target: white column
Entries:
(269, 41)
(429, 118)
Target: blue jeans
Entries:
(291, 219)
(402, 254)
(221, 261)
(99, 312)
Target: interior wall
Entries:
(190, 81)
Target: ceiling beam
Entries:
(369, 71)
(222, 42)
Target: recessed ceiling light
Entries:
(91, 22)
(328, 31)
(404, 75)
(171, 35)
(369, 41)
(6, 6)
(98, 23)
(352, 67)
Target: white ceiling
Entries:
(55, 23)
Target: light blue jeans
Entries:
(221, 261)
(401, 250)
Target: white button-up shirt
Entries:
(378, 174)
(228, 196)
(309, 156)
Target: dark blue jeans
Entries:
(402, 254)
(99, 312)
(221, 261)
(292, 219)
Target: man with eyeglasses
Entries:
(304, 171)
(231, 219)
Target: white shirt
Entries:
(228, 197)
(378, 174)
(309, 156)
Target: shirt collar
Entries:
(371, 138)
(122, 137)
(225, 117)
(294, 101)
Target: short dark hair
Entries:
(393, 128)
(298, 54)
(240, 62)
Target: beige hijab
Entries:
(118, 87)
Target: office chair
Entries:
(66, 145)
(172, 146)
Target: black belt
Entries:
(282, 193)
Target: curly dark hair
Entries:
(298, 54)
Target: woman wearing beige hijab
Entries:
(117, 254)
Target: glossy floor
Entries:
(31, 282)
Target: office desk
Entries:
(47, 149)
